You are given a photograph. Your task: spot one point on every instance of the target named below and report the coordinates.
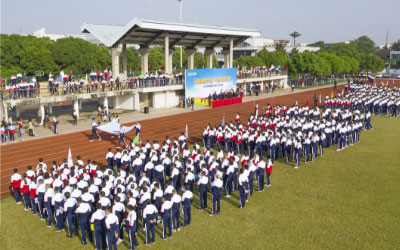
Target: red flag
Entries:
(140, 69)
(286, 67)
(308, 102)
(162, 67)
(151, 68)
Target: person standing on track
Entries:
(94, 130)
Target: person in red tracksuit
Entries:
(32, 194)
(268, 170)
(25, 191)
(16, 185)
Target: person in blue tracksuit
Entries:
(98, 226)
(83, 211)
(130, 224)
(176, 210)
(48, 196)
(119, 210)
(166, 211)
(216, 188)
(110, 159)
(243, 188)
(187, 198)
(58, 206)
(94, 131)
(121, 137)
(112, 229)
(69, 209)
(150, 220)
(202, 183)
(260, 175)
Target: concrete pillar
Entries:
(171, 53)
(50, 108)
(105, 104)
(4, 110)
(80, 104)
(144, 59)
(166, 52)
(17, 111)
(231, 53)
(124, 64)
(41, 113)
(136, 102)
(226, 58)
(76, 107)
(190, 54)
(115, 52)
(209, 53)
(261, 86)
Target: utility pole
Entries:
(180, 20)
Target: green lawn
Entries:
(344, 200)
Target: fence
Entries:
(9, 92)
(259, 74)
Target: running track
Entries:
(21, 154)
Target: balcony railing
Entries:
(15, 92)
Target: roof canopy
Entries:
(145, 32)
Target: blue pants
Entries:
(260, 182)
(33, 205)
(132, 237)
(166, 221)
(243, 197)
(268, 182)
(187, 215)
(111, 241)
(17, 195)
(216, 207)
(203, 199)
(71, 223)
(85, 227)
(176, 216)
(150, 229)
(27, 201)
(100, 236)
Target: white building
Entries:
(42, 33)
(251, 46)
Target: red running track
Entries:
(20, 155)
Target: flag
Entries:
(320, 98)
(286, 67)
(308, 102)
(342, 92)
(136, 140)
(393, 81)
(186, 132)
(70, 161)
(332, 95)
(383, 84)
(223, 121)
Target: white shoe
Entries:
(91, 140)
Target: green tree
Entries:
(79, 56)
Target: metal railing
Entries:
(259, 74)
(15, 92)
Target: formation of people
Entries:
(151, 185)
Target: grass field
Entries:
(343, 200)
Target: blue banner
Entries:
(200, 83)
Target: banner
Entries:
(114, 128)
(200, 83)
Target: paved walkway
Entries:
(65, 121)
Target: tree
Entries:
(319, 44)
(365, 45)
(79, 56)
(371, 63)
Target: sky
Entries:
(326, 20)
